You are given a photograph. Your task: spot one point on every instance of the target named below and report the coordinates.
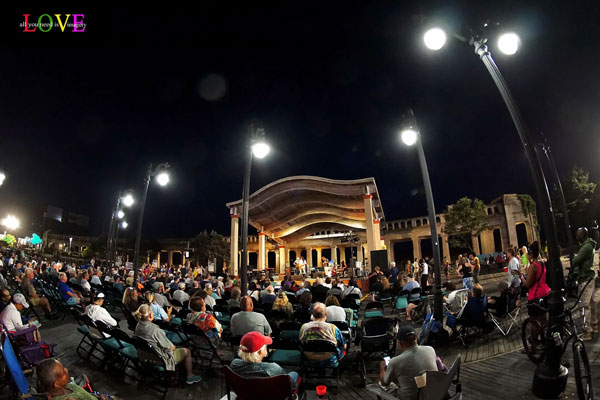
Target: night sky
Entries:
(82, 117)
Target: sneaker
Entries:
(193, 379)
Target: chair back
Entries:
(378, 327)
(374, 305)
(16, 373)
(278, 387)
(146, 353)
(438, 383)
(401, 303)
(95, 333)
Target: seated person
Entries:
(53, 379)
(319, 291)
(159, 313)
(4, 298)
(403, 368)
(453, 300)
(98, 313)
(282, 303)
(203, 320)
(159, 296)
(504, 303)
(352, 288)
(180, 295)
(118, 284)
(234, 301)
(11, 315)
(334, 311)
(318, 329)
(249, 321)
(69, 295)
(131, 299)
(411, 284)
(474, 312)
(269, 297)
(253, 348)
(31, 294)
(157, 338)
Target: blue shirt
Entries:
(394, 274)
(159, 312)
(64, 289)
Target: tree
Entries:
(579, 193)
(209, 246)
(464, 220)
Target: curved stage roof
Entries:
(295, 207)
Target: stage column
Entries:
(262, 254)
(235, 229)
(368, 202)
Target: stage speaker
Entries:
(379, 259)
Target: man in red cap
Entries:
(253, 348)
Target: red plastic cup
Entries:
(321, 390)
(505, 269)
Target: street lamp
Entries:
(125, 198)
(2, 177)
(162, 177)
(550, 377)
(259, 148)
(410, 136)
(124, 224)
(10, 222)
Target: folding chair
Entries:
(152, 368)
(201, 343)
(18, 380)
(286, 349)
(320, 349)
(374, 309)
(473, 320)
(505, 319)
(277, 387)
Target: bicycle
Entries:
(534, 346)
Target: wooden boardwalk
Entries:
(492, 369)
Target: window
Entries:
(418, 222)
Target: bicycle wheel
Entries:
(583, 373)
(533, 340)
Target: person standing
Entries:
(424, 273)
(394, 272)
(475, 265)
(513, 271)
(583, 266)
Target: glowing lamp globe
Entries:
(434, 39)
(128, 200)
(409, 136)
(509, 43)
(260, 150)
(162, 178)
(120, 214)
(124, 224)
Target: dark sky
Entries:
(82, 117)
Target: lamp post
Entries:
(10, 222)
(410, 136)
(162, 178)
(259, 148)
(127, 200)
(550, 377)
(561, 195)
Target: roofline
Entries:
(340, 182)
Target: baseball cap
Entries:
(18, 298)
(157, 285)
(98, 295)
(254, 341)
(405, 332)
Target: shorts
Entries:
(35, 301)
(179, 354)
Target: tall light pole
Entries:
(162, 178)
(258, 148)
(550, 377)
(410, 136)
(561, 195)
(126, 199)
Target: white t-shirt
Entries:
(335, 313)
(11, 317)
(513, 265)
(425, 268)
(97, 313)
